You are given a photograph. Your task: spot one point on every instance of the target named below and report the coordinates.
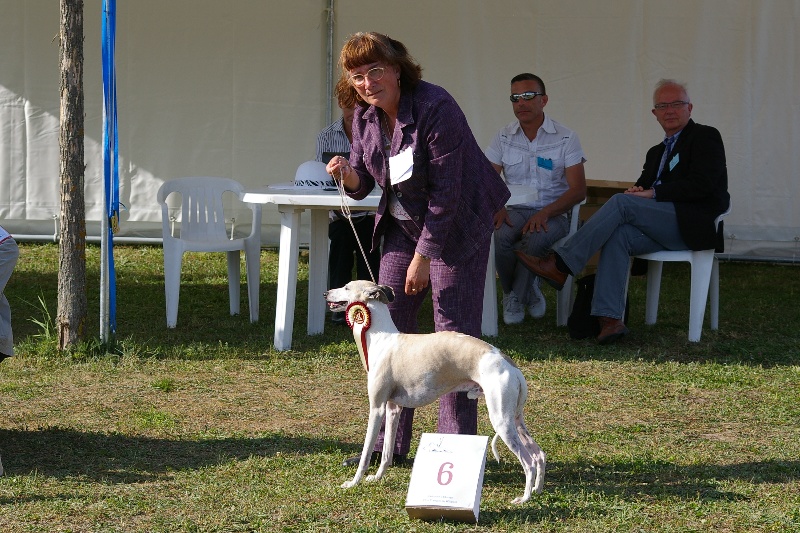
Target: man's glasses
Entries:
(528, 95)
(374, 74)
(670, 105)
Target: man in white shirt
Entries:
(538, 152)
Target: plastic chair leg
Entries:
(489, 319)
(173, 257)
(654, 269)
(252, 262)
(714, 295)
(702, 264)
(234, 282)
(564, 302)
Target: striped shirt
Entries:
(333, 139)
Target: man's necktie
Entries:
(668, 142)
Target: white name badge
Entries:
(447, 477)
(401, 166)
(674, 161)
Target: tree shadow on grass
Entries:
(119, 459)
(116, 458)
(640, 481)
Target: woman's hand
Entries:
(340, 169)
(418, 274)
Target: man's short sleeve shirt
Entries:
(540, 163)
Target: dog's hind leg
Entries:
(512, 440)
(389, 436)
(502, 408)
(373, 427)
(537, 454)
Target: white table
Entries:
(291, 203)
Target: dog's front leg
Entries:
(373, 427)
(389, 436)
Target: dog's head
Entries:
(357, 291)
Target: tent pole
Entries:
(104, 285)
(104, 296)
(329, 99)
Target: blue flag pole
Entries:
(110, 222)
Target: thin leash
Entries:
(346, 211)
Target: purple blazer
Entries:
(453, 192)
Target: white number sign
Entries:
(447, 478)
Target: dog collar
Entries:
(359, 320)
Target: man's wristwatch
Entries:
(425, 257)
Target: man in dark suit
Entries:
(682, 189)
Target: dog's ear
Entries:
(387, 292)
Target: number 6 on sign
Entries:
(447, 478)
(445, 474)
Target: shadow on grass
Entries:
(641, 481)
(115, 458)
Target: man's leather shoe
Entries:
(611, 329)
(545, 268)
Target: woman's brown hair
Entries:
(364, 48)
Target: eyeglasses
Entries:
(670, 105)
(528, 95)
(374, 74)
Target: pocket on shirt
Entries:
(514, 166)
(550, 160)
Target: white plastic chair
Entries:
(704, 276)
(202, 229)
(564, 296)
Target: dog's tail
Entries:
(494, 447)
(523, 392)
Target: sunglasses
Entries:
(528, 95)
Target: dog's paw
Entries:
(520, 500)
(374, 477)
(348, 484)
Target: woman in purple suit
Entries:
(439, 196)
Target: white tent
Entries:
(238, 89)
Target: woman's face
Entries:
(377, 84)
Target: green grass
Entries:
(207, 428)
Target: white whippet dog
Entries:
(405, 370)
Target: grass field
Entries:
(207, 428)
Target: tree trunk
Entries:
(72, 301)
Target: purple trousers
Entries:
(457, 294)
